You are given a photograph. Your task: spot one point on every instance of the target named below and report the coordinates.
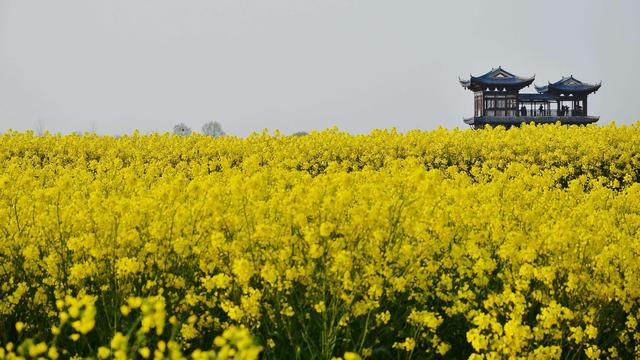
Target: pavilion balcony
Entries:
(508, 121)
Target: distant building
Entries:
(498, 101)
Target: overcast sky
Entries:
(119, 65)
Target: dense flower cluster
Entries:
(482, 244)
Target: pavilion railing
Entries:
(537, 113)
(554, 113)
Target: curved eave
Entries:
(529, 81)
(541, 89)
(465, 83)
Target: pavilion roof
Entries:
(496, 78)
(568, 85)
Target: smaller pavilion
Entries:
(498, 101)
(570, 91)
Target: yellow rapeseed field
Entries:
(520, 243)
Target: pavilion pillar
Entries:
(584, 103)
(546, 108)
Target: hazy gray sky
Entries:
(118, 65)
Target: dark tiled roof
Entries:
(497, 78)
(568, 85)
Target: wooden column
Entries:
(584, 105)
(548, 108)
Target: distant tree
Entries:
(40, 127)
(212, 128)
(182, 129)
(300, 133)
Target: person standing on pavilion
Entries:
(523, 111)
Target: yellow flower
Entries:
(37, 349)
(351, 356)
(383, 318)
(407, 345)
(20, 326)
(320, 307)
(326, 229)
(243, 270)
(144, 352)
(523, 240)
(53, 353)
(103, 352)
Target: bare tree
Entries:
(212, 128)
(182, 129)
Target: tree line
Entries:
(212, 128)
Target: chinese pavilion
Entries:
(498, 101)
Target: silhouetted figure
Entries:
(541, 110)
(578, 110)
(523, 111)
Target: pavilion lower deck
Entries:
(481, 121)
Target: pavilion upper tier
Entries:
(497, 79)
(568, 85)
